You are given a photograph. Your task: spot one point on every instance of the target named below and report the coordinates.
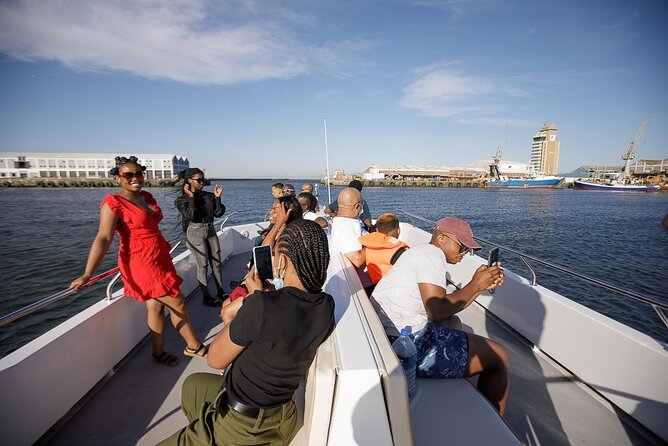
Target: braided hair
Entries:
(305, 243)
(290, 202)
(120, 160)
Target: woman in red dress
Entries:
(146, 266)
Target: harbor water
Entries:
(45, 236)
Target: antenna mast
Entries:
(329, 189)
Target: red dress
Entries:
(143, 255)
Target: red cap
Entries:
(460, 229)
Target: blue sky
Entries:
(242, 87)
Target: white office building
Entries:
(83, 165)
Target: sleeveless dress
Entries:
(146, 266)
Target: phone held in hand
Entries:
(491, 261)
(493, 257)
(263, 263)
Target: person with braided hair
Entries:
(267, 348)
(146, 266)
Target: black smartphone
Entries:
(263, 263)
(493, 257)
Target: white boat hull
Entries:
(44, 379)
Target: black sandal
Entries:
(210, 301)
(165, 358)
(195, 352)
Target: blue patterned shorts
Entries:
(441, 352)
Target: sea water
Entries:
(45, 237)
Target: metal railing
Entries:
(658, 306)
(258, 212)
(29, 309)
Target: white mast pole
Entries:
(329, 189)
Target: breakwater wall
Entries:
(74, 182)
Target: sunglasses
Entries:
(462, 248)
(130, 175)
(199, 180)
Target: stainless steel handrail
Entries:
(658, 306)
(227, 216)
(112, 282)
(29, 309)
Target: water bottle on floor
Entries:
(406, 351)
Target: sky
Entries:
(243, 88)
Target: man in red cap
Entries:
(413, 294)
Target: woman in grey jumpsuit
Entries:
(198, 208)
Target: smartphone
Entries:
(493, 257)
(263, 263)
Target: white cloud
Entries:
(442, 92)
(461, 7)
(189, 41)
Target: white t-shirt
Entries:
(308, 215)
(397, 298)
(345, 238)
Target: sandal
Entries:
(165, 358)
(211, 302)
(199, 352)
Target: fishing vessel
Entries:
(576, 376)
(531, 179)
(615, 186)
(623, 182)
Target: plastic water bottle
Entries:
(406, 351)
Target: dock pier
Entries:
(75, 182)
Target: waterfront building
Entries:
(649, 167)
(595, 171)
(83, 165)
(545, 150)
(603, 171)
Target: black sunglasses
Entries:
(462, 248)
(130, 175)
(199, 180)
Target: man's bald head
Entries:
(350, 203)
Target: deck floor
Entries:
(545, 405)
(140, 403)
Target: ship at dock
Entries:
(544, 155)
(623, 182)
(535, 181)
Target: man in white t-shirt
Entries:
(413, 294)
(307, 202)
(346, 231)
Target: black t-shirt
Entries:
(281, 331)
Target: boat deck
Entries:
(140, 402)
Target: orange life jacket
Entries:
(379, 253)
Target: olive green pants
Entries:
(198, 402)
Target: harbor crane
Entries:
(631, 153)
(494, 167)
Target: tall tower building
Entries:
(545, 150)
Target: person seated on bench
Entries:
(346, 231)
(268, 345)
(413, 294)
(382, 247)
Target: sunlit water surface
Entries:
(45, 236)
